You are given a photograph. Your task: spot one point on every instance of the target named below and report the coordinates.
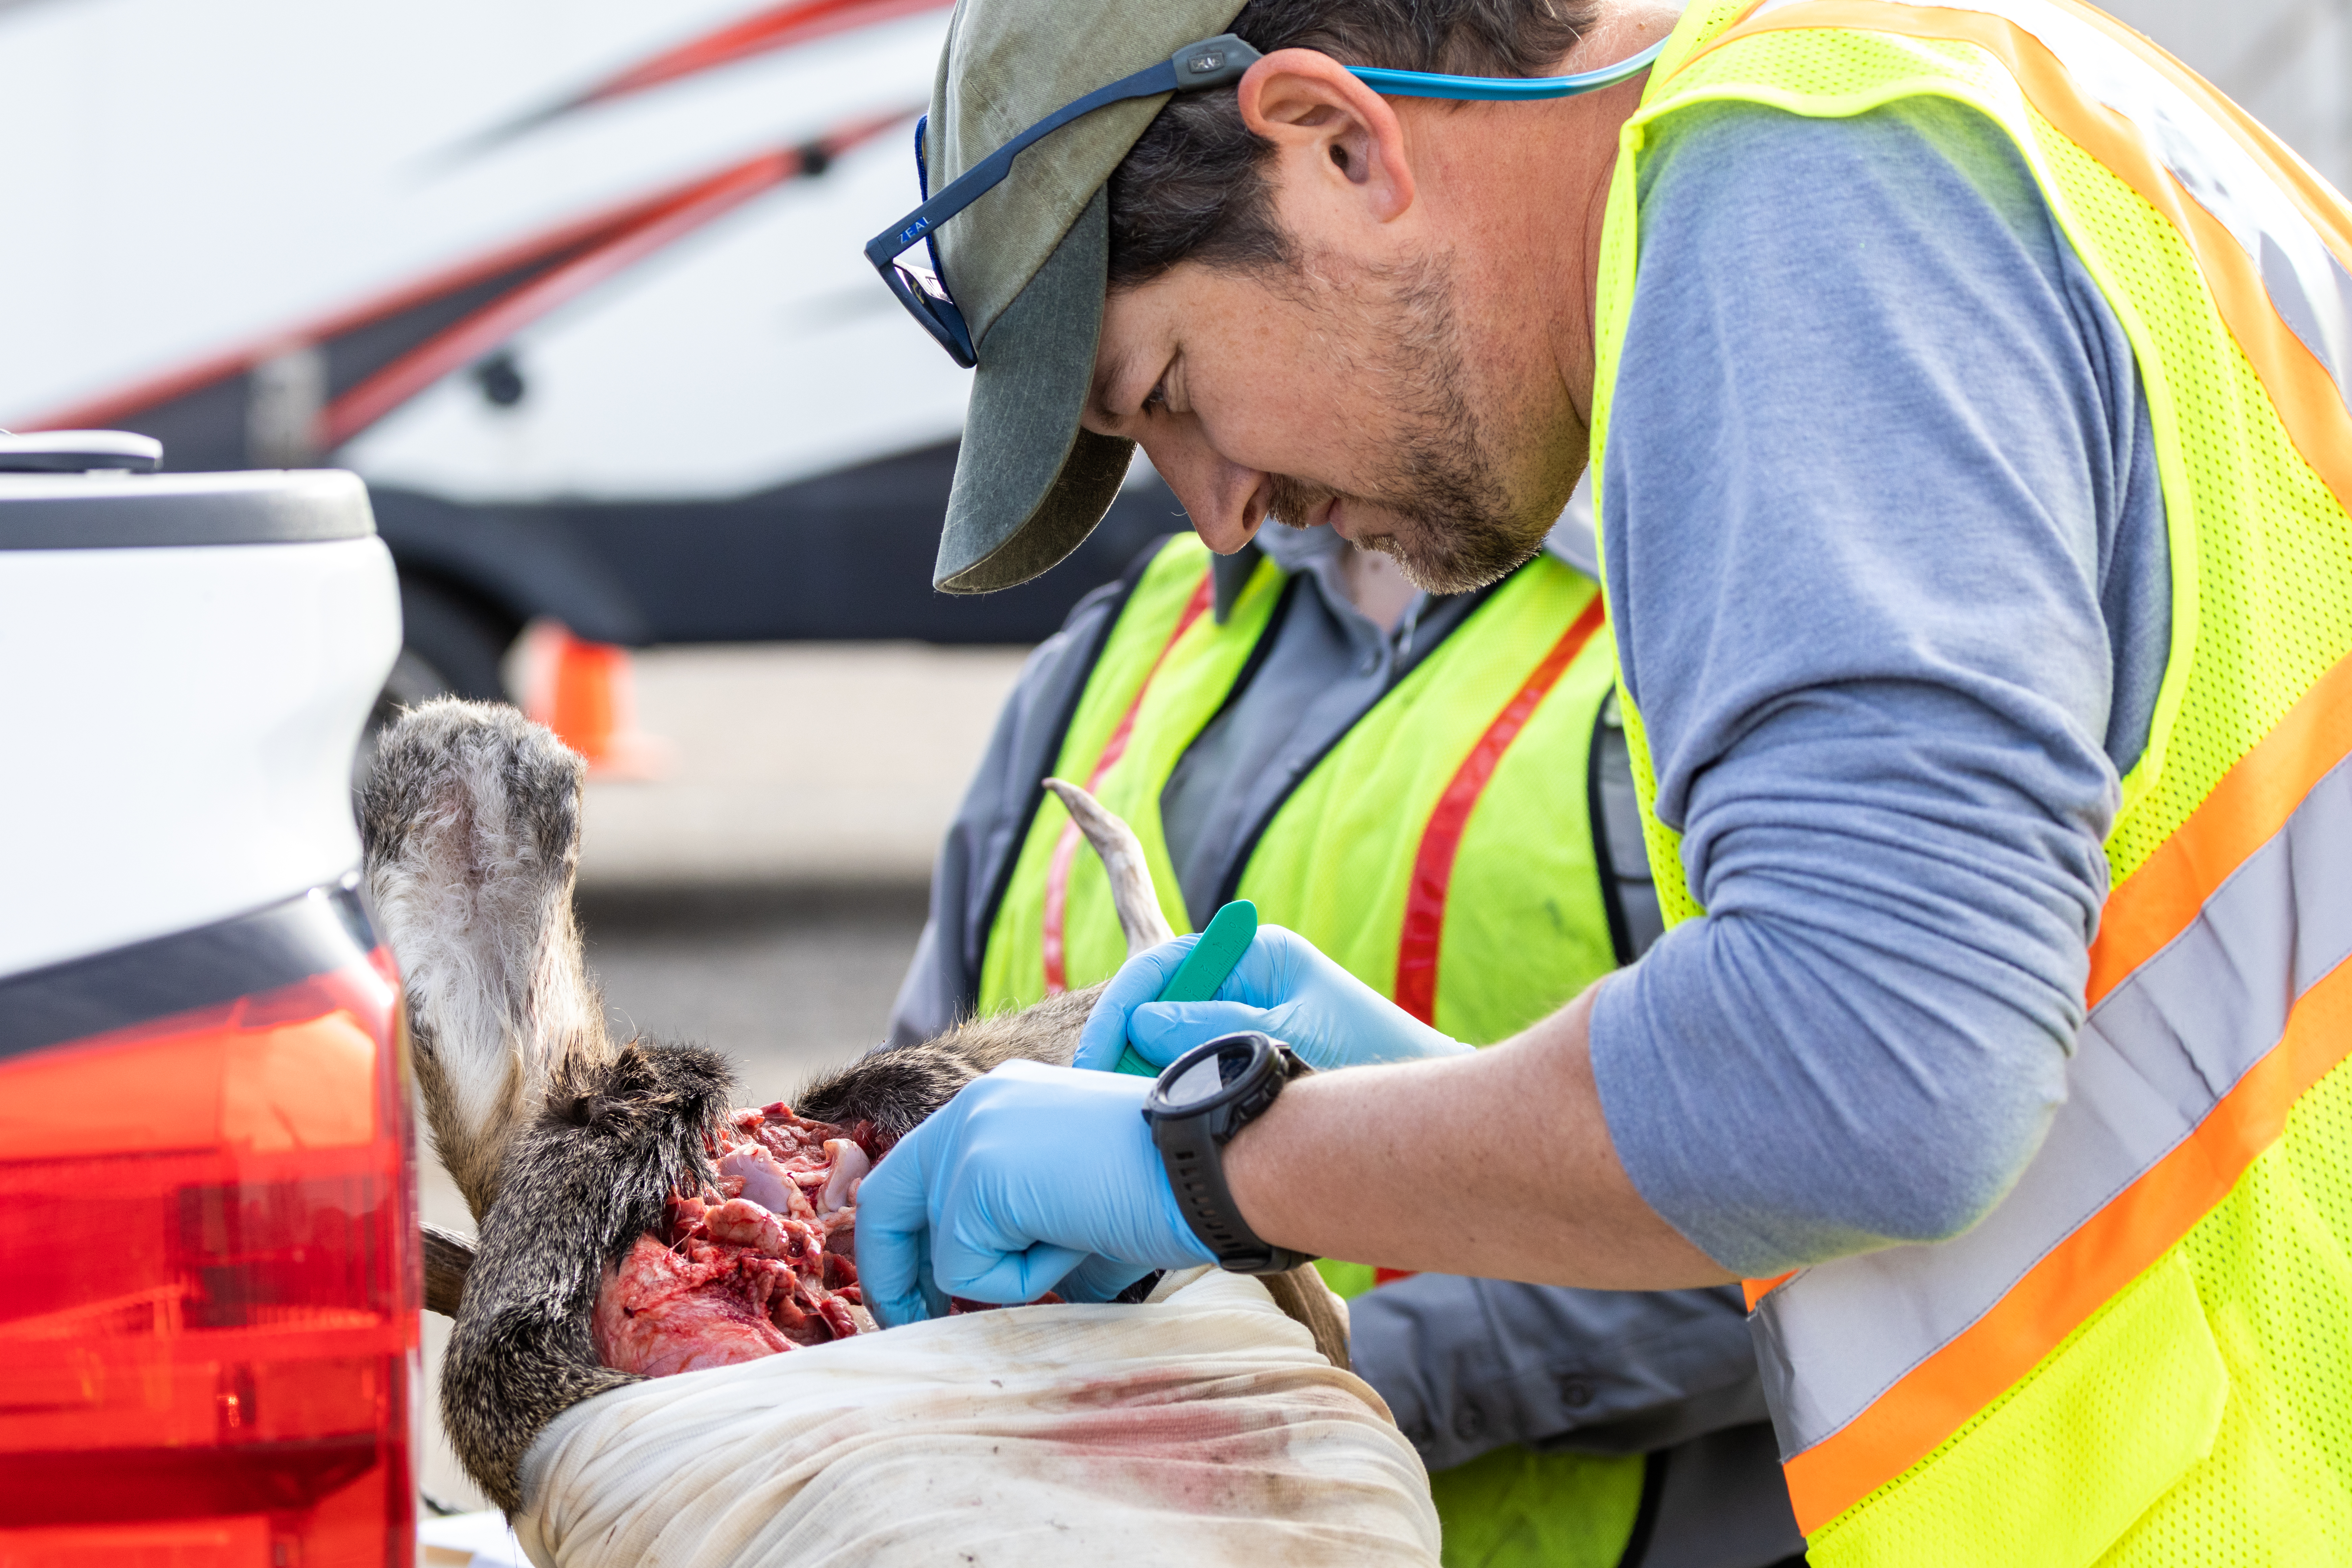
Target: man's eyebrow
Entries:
(1109, 375)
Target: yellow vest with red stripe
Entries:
(2143, 1354)
(1442, 850)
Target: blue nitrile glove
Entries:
(1031, 1175)
(1282, 984)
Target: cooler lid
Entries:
(92, 490)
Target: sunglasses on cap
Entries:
(1211, 62)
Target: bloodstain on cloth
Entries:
(761, 1264)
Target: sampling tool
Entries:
(1231, 931)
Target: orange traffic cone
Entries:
(583, 692)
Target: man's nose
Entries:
(1224, 500)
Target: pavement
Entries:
(763, 894)
(796, 764)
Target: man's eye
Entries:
(1157, 396)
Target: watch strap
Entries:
(1196, 1173)
(1193, 1150)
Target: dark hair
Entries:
(1194, 186)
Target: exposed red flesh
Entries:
(663, 1313)
(744, 1270)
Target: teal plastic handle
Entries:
(1213, 958)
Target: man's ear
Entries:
(1322, 118)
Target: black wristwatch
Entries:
(1207, 1095)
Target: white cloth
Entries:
(1200, 1430)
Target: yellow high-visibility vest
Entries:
(1442, 850)
(2143, 1354)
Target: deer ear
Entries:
(471, 822)
(1131, 892)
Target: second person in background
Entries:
(1434, 790)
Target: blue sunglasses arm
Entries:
(1504, 89)
(983, 176)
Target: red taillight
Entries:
(208, 1277)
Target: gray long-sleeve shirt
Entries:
(1886, 554)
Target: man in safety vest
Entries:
(1382, 770)
(1966, 390)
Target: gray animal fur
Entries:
(582, 1182)
(564, 1143)
(448, 1258)
(893, 1089)
(471, 826)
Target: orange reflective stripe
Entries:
(1433, 867)
(1757, 1289)
(2309, 404)
(2247, 807)
(1065, 848)
(2107, 1253)
(2320, 204)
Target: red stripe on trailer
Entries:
(671, 219)
(779, 27)
(576, 256)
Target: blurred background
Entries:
(576, 286)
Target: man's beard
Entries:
(1456, 525)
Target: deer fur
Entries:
(563, 1141)
(471, 824)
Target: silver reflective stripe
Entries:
(2156, 1056)
(2307, 284)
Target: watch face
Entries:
(1205, 1075)
(1198, 1082)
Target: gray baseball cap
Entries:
(1028, 264)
